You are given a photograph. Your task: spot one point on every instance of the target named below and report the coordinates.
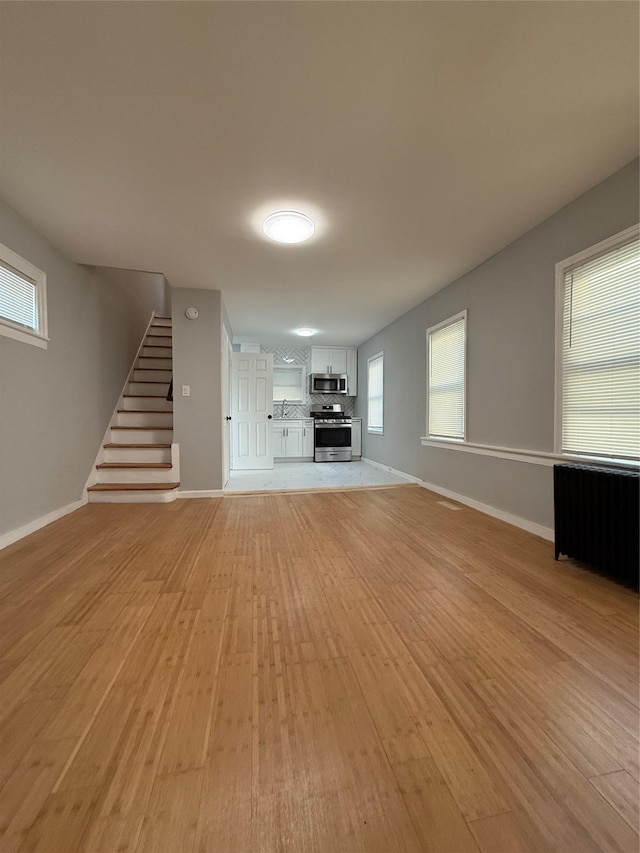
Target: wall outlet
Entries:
(186, 390)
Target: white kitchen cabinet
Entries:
(307, 439)
(320, 360)
(352, 372)
(279, 447)
(288, 439)
(356, 436)
(293, 442)
(328, 359)
(337, 360)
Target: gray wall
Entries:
(510, 362)
(139, 290)
(55, 404)
(197, 420)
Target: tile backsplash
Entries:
(302, 356)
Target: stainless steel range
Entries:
(332, 433)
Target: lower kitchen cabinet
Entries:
(278, 441)
(292, 439)
(356, 436)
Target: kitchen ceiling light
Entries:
(288, 226)
(305, 333)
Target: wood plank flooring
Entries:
(349, 672)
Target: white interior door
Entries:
(226, 406)
(252, 410)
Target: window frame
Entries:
(375, 430)
(562, 267)
(461, 315)
(36, 337)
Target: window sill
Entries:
(373, 431)
(24, 336)
(534, 457)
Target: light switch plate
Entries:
(186, 390)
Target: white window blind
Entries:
(446, 372)
(375, 392)
(601, 355)
(18, 298)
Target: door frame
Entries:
(225, 367)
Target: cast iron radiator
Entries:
(597, 519)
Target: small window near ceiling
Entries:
(23, 299)
(598, 351)
(446, 368)
(375, 393)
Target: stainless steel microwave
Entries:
(328, 383)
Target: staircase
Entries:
(136, 464)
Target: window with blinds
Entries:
(375, 393)
(18, 298)
(446, 356)
(22, 299)
(600, 352)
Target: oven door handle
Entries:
(340, 425)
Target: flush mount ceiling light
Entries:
(305, 333)
(288, 226)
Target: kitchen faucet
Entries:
(284, 409)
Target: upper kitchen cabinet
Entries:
(337, 360)
(352, 372)
(328, 359)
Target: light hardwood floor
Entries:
(328, 672)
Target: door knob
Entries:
(228, 417)
(269, 416)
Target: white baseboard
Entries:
(409, 477)
(205, 493)
(515, 520)
(20, 532)
(523, 523)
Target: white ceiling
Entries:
(422, 137)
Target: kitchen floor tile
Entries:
(311, 475)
